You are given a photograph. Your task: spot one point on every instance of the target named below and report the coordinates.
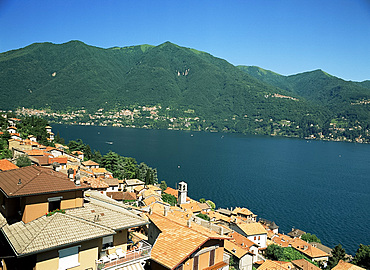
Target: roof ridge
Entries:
(20, 188)
(36, 234)
(87, 221)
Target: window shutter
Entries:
(212, 257)
(68, 258)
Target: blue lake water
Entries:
(316, 186)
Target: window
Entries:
(107, 242)
(68, 258)
(54, 203)
(259, 237)
(212, 257)
(195, 263)
(255, 238)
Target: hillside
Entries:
(183, 83)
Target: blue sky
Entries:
(285, 36)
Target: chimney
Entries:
(19, 182)
(70, 173)
(165, 211)
(221, 230)
(150, 211)
(189, 222)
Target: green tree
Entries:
(202, 200)
(23, 161)
(362, 257)
(274, 252)
(310, 238)
(212, 204)
(204, 216)
(338, 253)
(163, 185)
(168, 198)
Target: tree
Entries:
(362, 257)
(310, 238)
(212, 204)
(202, 200)
(204, 216)
(168, 198)
(23, 161)
(163, 185)
(338, 253)
(274, 252)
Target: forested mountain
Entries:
(183, 81)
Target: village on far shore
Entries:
(65, 212)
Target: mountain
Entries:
(73, 75)
(320, 88)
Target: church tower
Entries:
(182, 192)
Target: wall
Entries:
(36, 206)
(88, 253)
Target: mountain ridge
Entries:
(245, 99)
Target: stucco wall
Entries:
(38, 205)
(88, 253)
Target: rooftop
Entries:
(183, 240)
(253, 228)
(6, 165)
(346, 266)
(33, 180)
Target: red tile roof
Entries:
(6, 165)
(34, 180)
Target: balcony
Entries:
(119, 260)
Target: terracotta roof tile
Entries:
(6, 165)
(275, 265)
(182, 240)
(171, 191)
(129, 196)
(35, 180)
(252, 228)
(90, 163)
(307, 248)
(305, 265)
(347, 266)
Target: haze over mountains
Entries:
(74, 75)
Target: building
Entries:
(342, 265)
(253, 231)
(182, 193)
(181, 244)
(90, 231)
(6, 165)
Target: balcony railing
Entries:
(116, 261)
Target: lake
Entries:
(319, 187)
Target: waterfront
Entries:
(319, 187)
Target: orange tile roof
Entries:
(241, 240)
(99, 170)
(150, 200)
(275, 265)
(346, 266)
(282, 240)
(171, 191)
(243, 211)
(182, 240)
(60, 160)
(252, 228)
(35, 180)
(6, 165)
(129, 196)
(95, 183)
(90, 163)
(217, 216)
(307, 249)
(235, 249)
(305, 265)
(11, 128)
(193, 207)
(35, 152)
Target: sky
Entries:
(285, 36)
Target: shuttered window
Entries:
(212, 257)
(196, 262)
(68, 258)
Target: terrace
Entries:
(121, 260)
